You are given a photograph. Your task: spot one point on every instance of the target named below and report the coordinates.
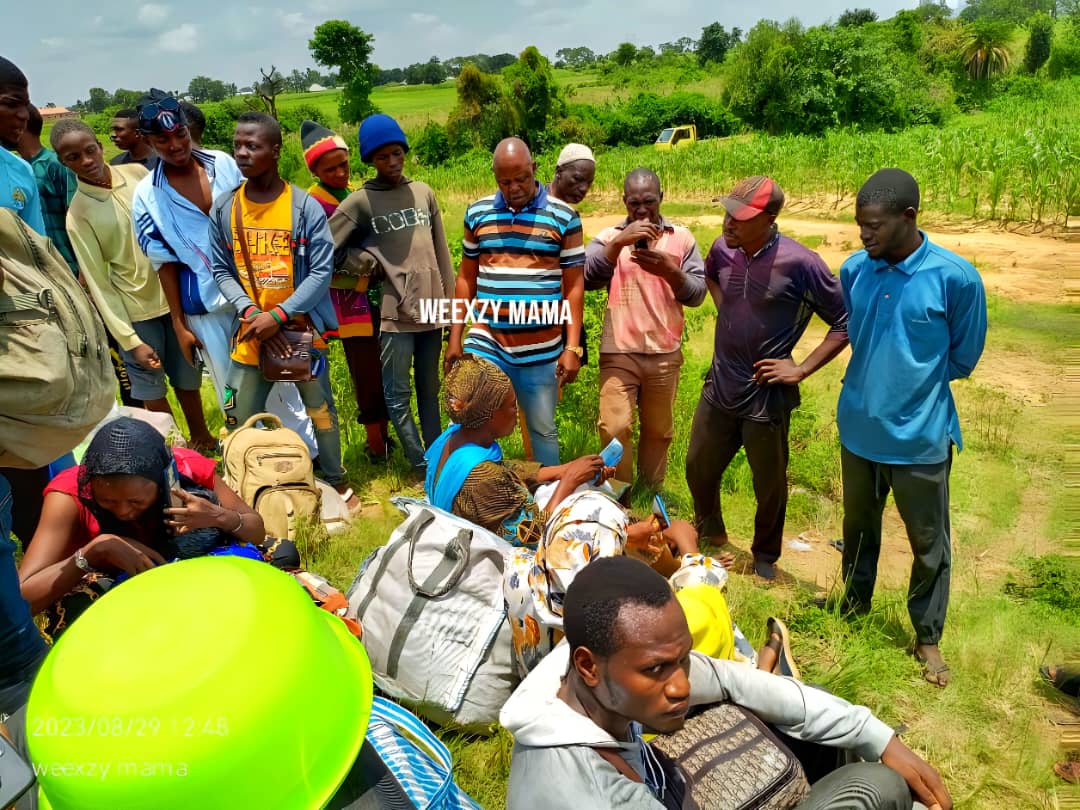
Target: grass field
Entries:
(1013, 608)
(988, 732)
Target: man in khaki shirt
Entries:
(121, 279)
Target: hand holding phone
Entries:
(172, 483)
(611, 455)
(660, 512)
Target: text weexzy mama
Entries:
(495, 310)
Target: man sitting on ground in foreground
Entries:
(628, 664)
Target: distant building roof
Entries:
(315, 88)
(49, 113)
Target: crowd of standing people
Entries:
(198, 260)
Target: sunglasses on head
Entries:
(148, 112)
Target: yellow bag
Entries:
(270, 468)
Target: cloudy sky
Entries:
(67, 46)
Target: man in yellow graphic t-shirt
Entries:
(285, 278)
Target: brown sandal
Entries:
(1069, 771)
(937, 674)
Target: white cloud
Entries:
(54, 42)
(183, 39)
(291, 19)
(423, 19)
(153, 14)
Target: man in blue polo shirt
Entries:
(916, 321)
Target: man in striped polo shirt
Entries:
(522, 264)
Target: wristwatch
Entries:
(574, 350)
(82, 563)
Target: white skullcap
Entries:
(574, 151)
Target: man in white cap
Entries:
(575, 170)
(651, 269)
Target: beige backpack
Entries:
(270, 468)
(56, 380)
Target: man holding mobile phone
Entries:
(651, 269)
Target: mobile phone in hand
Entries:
(197, 356)
(16, 777)
(172, 482)
(660, 511)
(611, 455)
(641, 244)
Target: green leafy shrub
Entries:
(432, 145)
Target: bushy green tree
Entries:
(1013, 11)
(715, 42)
(1065, 52)
(785, 79)
(534, 93)
(100, 98)
(576, 58)
(128, 98)
(337, 43)
(625, 54)
(1040, 35)
(854, 17)
(203, 88)
(483, 115)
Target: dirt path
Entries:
(1024, 267)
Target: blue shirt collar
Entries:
(539, 201)
(912, 263)
(205, 158)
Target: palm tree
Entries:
(984, 49)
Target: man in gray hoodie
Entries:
(628, 664)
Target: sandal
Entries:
(785, 661)
(938, 674)
(1068, 770)
(1062, 678)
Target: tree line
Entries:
(918, 67)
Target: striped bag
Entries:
(417, 760)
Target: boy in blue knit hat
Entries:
(392, 225)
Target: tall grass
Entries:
(1018, 162)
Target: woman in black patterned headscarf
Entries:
(111, 515)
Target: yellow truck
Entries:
(676, 137)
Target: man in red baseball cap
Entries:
(766, 288)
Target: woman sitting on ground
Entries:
(466, 473)
(110, 518)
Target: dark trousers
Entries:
(715, 438)
(121, 372)
(365, 367)
(27, 497)
(921, 492)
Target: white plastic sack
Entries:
(431, 605)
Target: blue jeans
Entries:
(416, 352)
(537, 391)
(245, 395)
(22, 644)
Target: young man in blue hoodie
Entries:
(282, 278)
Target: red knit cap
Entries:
(317, 140)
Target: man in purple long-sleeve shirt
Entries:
(766, 288)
